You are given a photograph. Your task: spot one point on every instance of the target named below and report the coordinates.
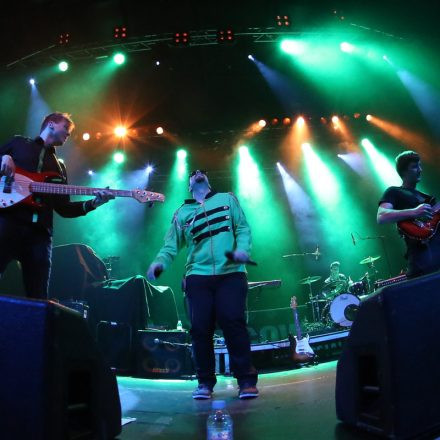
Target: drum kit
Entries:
(338, 304)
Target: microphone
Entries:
(230, 256)
(352, 238)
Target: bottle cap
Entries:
(218, 404)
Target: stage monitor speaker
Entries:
(115, 342)
(55, 384)
(163, 354)
(388, 376)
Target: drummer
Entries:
(336, 283)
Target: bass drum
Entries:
(343, 309)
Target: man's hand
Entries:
(240, 256)
(424, 210)
(102, 197)
(7, 167)
(154, 271)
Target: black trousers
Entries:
(219, 299)
(32, 247)
(424, 258)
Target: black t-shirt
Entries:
(405, 198)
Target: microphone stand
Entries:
(382, 240)
(315, 253)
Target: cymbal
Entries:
(309, 280)
(369, 260)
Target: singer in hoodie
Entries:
(214, 229)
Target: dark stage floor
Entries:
(294, 404)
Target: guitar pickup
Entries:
(8, 185)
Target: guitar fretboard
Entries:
(54, 188)
(297, 326)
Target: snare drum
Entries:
(343, 309)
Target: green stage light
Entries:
(323, 182)
(383, 167)
(63, 66)
(346, 47)
(119, 157)
(119, 58)
(292, 47)
(181, 154)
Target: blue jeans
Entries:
(32, 247)
(219, 299)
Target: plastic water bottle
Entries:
(179, 326)
(219, 424)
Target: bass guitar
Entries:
(300, 349)
(420, 229)
(21, 188)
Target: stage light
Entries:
(32, 81)
(157, 63)
(251, 57)
(323, 120)
(149, 169)
(282, 20)
(120, 32)
(335, 119)
(98, 135)
(119, 58)
(262, 123)
(64, 39)
(356, 115)
(119, 157)
(63, 66)
(346, 47)
(90, 172)
(86, 136)
(368, 117)
(300, 120)
(159, 130)
(274, 121)
(181, 154)
(225, 35)
(181, 38)
(120, 131)
(243, 150)
(287, 121)
(292, 47)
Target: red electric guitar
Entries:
(22, 187)
(301, 351)
(419, 229)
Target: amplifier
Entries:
(163, 354)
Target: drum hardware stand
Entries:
(382, 240)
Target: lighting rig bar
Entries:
(209, 37)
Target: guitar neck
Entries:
(297, 326)
(56, 188)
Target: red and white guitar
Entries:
(301, 351)
(24, 185)
(419, 229)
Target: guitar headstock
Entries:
(144, 196)
(293, 303)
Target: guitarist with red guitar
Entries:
(416, 214)
(33, 184)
